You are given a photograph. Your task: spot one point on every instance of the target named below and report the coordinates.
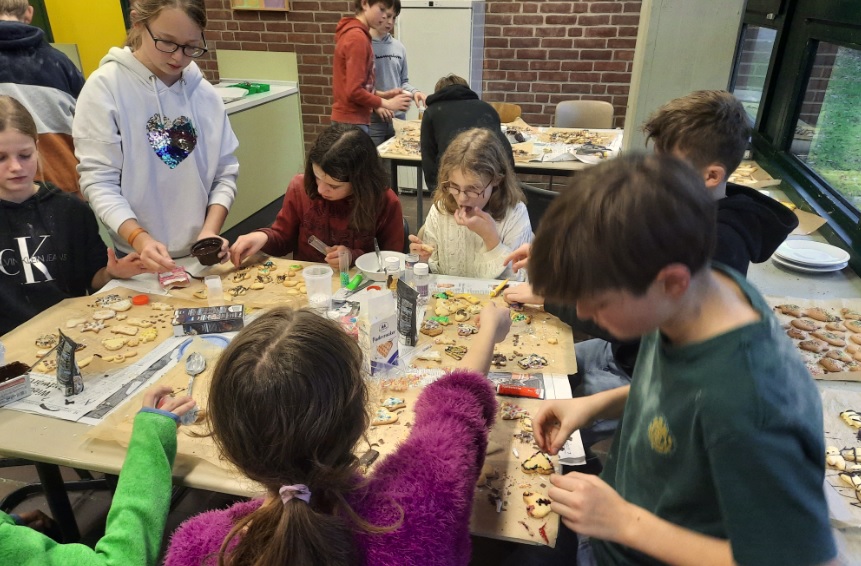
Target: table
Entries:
(562, 168)
(58, 442)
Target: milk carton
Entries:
(378, 329)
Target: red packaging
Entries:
(519, 391)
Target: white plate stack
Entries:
(810, 257)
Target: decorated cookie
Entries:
(393, 403)
(431, 328)
(466, 329)
(430, 356)
(537, 506)
(532, 361)
(851, 454)
(139, 322)
(831, 365)
(46, 365)
(159, 306)
(240, 275)
(790, 310)
(93, 326)
(804, 324)
(850, 314)
(47, 341)
(820, 314)
(830, 337)
(462, 315)
(853, 325)
(384, 417)
(499, 360)
(835, 327)
(456, 352)
(106, 301)
(538, 463)
(815, 346)
(148, 334)
(121, 306)
(851, 417)
(237, 291)
(508, 411)
(201, 293)
(839, 356)
(796, 334)
(526, 424)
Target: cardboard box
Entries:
(378, 331)
(208, 320)
(14, 387)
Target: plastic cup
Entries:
(214, 290)
(318, 285)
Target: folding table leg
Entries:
(58, 500)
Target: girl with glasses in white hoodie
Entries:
(155, 146)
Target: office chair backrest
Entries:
(507, 111)
(537, 201)
(584, 114)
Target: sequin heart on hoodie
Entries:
(172, 141)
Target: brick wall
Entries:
(536, 53)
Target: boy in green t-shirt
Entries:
(718, 458)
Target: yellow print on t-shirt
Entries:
(660, 436)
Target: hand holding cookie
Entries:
(479, 222)
(522, 294)
(588, 505)
(420, 248)
(557, 419)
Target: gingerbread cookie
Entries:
(830, 337)
(814, 346)
(790, 310)
(384, 417)
(392, 403)
(820, 314)
(538, 463)
(804, 324)
(537, 506)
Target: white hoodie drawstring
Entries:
(152, 80)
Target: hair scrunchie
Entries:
(299, 491)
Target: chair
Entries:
(584, 114)
(507, 111)
(537, 201)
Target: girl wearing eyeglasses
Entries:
(153, 140)
(479, 213)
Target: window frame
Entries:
(801, 25)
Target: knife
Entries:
(379, 257)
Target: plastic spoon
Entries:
(194, 366)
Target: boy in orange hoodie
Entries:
(353, 75)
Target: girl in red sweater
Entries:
(343, 199)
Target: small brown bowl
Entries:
(206, 250)
(13, 370)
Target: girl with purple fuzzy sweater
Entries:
(289, 407)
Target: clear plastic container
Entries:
(318, 284)
(421, 280)
(410, 262)
(393, 272)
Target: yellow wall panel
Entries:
(94, 25)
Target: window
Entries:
(827, 136)
(757, 45)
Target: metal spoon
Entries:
(194, 366)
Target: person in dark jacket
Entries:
(47, 83)
(50, 248)
(451, 109)
(709, 129)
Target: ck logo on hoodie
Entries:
(29, 260)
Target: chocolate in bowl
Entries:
(206, 250)
(13, 370)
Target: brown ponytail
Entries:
(287, 405)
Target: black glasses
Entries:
(471, 192)
(165, 46)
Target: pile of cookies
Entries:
(847, 460)
(828, 341)
(124, 330)
(257, 277)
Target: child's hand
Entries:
(224, 252)
(589, 506)
(518, 258)
(332, 256)
(481, 223)
(398, 103)
(124, 268)
(496, 318)
(392, 92)
(383, 114)
(247, 245)
(420, 99)
(522, 294)
(154, 255)
(420, 248)
(158, 397)
(557, 419)
(38, 521)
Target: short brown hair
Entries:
(357, 4)
(14, 8)
(479, 151)
(707, 126)
(449, 80)
(144, 11)
(619, 224)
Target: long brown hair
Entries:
(144, 11)
(288, 405)
(479, 151)
(15, 116)
(346, 153)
